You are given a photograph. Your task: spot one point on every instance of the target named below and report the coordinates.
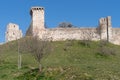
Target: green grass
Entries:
(68, 60)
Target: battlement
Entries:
(12, 26)
(36, 8)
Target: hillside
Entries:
(69, 60)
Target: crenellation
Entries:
(109, 21)
(37, 9)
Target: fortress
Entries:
(37, 28)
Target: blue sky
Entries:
(78, 12)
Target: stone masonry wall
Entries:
(115, 36)
(59, 34)
(13, 32)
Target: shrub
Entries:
(103, 43)
(65, 25)
(68, 44)
(86, 43)
(55, 73)
(106, 51)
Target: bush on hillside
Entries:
(55, 73)
(105, 50)
(103, 43)
(68, 44)
(86, 43)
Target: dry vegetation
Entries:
(68, 60)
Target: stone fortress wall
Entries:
(71, 34)
(104, 31)
(13, 32)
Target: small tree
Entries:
(0, 53)
(38, 48)
(19, 56)
(65, 25)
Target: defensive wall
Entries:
(104, 31)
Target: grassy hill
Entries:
(69, 60)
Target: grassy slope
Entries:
(67, 61)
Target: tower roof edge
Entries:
(37, 7)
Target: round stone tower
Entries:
(37, 14)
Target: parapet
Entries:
(105, 22)
(12, 26)
(35, 8)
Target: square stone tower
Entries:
(37, 24)
(13, 32)
(105, 27)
